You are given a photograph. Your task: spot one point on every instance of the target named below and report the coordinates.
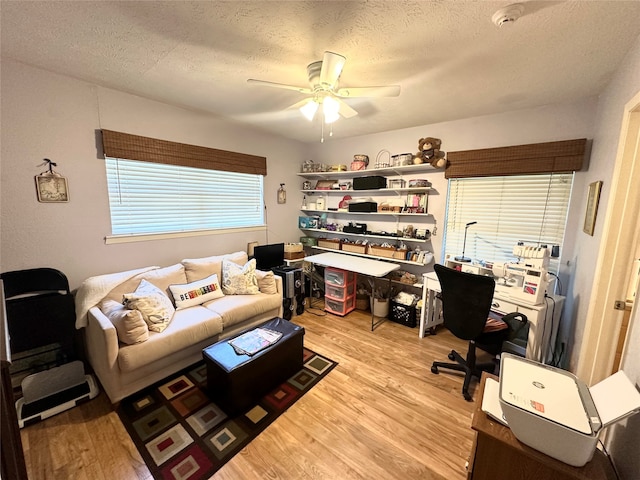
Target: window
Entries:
(507, 209)
(148, 198)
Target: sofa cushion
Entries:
(155, 307)
(129, 324)
(189, 326)
(160, 277)
(196, 293)
(239, 279)
(199, 268)
(237, 308)
(266, 282)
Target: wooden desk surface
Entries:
(510, 459)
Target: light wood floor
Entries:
(380, 414)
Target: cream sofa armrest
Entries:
(278, 283)
(102, 340)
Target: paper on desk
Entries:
(615, 397)
(491, 401)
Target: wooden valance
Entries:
(563, 156)
(145, 149)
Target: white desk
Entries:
(368, 267)
(544, 318)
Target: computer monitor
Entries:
(269, 256)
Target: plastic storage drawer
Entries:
(339, 307)
(339, 293)
(337, 277)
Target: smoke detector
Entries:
(508, 15)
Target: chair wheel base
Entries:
(467, 397)
(451, 356)
(434, 370)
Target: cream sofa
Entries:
(127, 368)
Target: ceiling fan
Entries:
(324, 76)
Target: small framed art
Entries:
(592, 207)
(52, 187)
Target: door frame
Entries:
(612, 274)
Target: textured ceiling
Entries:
(449, 58)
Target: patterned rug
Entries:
(182, 435)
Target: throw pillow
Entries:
(130, 325)
(266, 282)
(196, 293)
(155, 307)
(239, 280)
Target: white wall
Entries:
(624, 438)
(45, 115)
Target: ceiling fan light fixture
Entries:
(330, 109)
(309, 109)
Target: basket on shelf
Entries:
(380, 251)
(332, 243)
(354, 247)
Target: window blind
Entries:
(149, 197)
(147, 149)
(508, 209)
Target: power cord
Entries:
(613, 465)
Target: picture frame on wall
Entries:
(593, 198)
(52, 188)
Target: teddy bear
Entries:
(429, 151)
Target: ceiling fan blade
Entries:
(345, 110)
(332, 65)
(382, 91)
(280, 85)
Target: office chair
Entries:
(466, 308)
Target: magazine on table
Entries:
(253, 341)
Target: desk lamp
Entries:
(464, 244)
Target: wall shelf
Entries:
(365, 255)
(379, 191)
(345, 212)
(421, 168)
(365, 235)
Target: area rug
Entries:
(182, 435)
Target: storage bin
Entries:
(307, 222)
(379, 251)
(337, 277)
(403, 314)
(308, 241)
(339, 307)
(379, 306)
(366, 207)
(331, 243)
(339, 293)
(369, 183)
(354, 248)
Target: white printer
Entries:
(553, 411)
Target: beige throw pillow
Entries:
(266, 282)
(130, 325)
(196, 293)
(155, 307)
(239, 280)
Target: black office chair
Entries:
(466, 309)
